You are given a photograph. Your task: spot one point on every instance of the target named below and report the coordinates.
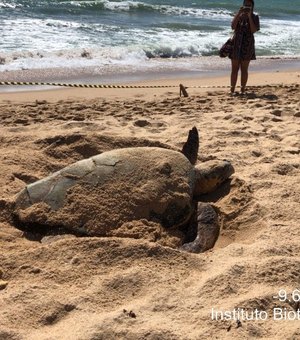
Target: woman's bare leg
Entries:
(244, 74)
(235, 65)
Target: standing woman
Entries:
(245, 24)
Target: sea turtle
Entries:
(127, 192)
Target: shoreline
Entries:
(195, 86)
(158, 71)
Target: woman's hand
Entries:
(241, 12)
(236, 18)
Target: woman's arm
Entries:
(236, 19)
(254, 26)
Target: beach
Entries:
(68, 287)
(104, 254)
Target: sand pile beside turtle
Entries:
(68, 287)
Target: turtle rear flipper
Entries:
(208, 230)
(191, 146)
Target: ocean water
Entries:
(134, 34)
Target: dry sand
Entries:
(119, 288)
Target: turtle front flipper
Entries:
(191, 146)
(208, 230)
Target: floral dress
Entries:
(244, 44)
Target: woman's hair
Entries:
(250, 1)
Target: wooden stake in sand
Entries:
(183, 91)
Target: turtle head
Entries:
(210, 175)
